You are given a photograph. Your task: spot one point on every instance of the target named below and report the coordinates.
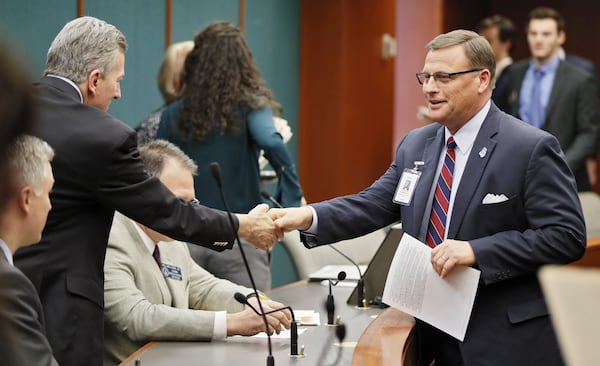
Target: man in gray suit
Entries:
(22, 338)
(168, 297)
(566, 102)
(493, 193)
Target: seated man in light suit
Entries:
(176, 299)
(22, 338)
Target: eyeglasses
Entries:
(442, 77)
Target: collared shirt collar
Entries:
(7, 252)
(465, 136)
(148, 242)
(549, 67)
(502, 64)
(68, 81)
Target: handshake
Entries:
(263, 227)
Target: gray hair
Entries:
(155, 153)
(27, 157)
(83, 45)
(477, 49)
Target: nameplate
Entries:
(171, 272)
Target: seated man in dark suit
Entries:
(22, 338)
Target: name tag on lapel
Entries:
(171, 272)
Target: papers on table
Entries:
(308, 317)
(414, 287)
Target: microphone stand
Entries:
(215, 169)
(239, 297)
(361, 302)
(329, 303)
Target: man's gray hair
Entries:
(27, 157)
(83, 45)
(155, 153)
(477, 49)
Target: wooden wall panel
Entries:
(346, 89)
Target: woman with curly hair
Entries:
(226, 115)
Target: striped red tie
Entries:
(441, 198)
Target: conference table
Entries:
(374, 336)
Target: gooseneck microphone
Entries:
(271, 199)
(340, 334)
(330, 304)
(215, 170)
(242, 299)
(360, 285)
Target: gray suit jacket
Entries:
(572, 116)
(540, 223)
(22, 339)
(142, 305)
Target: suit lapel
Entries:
(148, 262)
(560, 79)
(431, 155)
(476, 164)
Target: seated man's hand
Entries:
(248, 323)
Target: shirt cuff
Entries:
(220, 325)
(315, 221)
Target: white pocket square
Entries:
(493, 198)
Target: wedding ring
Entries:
(444, 258)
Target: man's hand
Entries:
(258, 228)
(288, 219)
(248, 323)
(449, 253)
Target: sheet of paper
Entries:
(414, 287)
(308, 317)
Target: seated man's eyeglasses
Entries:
(442, 77)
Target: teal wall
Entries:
(272, 31)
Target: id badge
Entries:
(407, 184)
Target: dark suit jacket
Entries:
(97, 170)
(586, 65)
(572, 115)
(540, 223)
(499, 95)
(22, 339)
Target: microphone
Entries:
(329, 304)
(340, 334)
(361, 302)
(242, 299)
(270, 198)
(215, 170)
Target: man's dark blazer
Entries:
(499, 95)
(22, 339)
(572, 115)
(540, 223)
(587, 65)
(97, 170)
